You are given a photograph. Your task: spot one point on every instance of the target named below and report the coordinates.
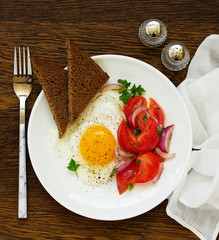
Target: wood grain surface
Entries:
(99, 27)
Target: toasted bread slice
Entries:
(54, 81)
(85, 78)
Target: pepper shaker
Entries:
(175, 56)
(152, 33)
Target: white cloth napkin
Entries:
(195, 201)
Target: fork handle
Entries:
(22, 195)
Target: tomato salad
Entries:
(142, 137)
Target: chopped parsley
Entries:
(130, 186)
(145, 118)
(156, 108)
(126, 92)
(138, 161)
(113, 172)
(127, 123)
(72, 166)
(160, 130)
(137, 132)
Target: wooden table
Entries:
(99, 27)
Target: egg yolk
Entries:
(97, 145)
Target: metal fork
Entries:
(22, 83)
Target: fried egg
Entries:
(91, 140)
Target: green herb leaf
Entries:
(156, 108)
(130, 186)
(124, 82)
(127, 124)
(126, 92)
(137, 90)
(137, 132)
(125, 96)
(138, 161)
(72, 166)
(160, 130)
(113, 172)
(145, 118)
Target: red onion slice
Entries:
(119, 164)
(165, 137)
(122, 155)
(110, 87)
(126, 164)
(164, 154)
(157, 177)
(117, 156)
(134, 114)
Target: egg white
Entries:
(103, 110)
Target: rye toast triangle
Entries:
(54, 81)
(85, 78)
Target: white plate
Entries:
(105, 203)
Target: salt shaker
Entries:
(175, 56)
(152, 33)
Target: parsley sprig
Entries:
(127, 92)
(72, 166)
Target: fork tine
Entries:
(15, 61)
(20, 69)
(24, 62)
(29, 69)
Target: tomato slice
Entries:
(146, 141)
(133, 103)
(156, 111)
(148, 167)
(125, 177)
(126, 138)
(140, 120)
(143, 169)
(149, 138)
(161, 159)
